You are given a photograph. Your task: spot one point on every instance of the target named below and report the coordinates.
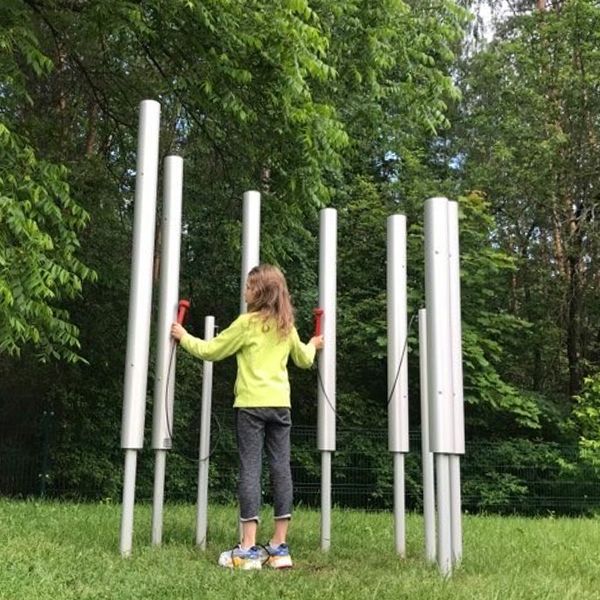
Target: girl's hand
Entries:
(317, 342)
(177, 331)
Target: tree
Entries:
(529, 141)
(39, 220)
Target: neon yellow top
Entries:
(262, 356)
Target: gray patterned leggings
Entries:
(254, 428)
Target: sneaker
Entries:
(238, 558)
(278, 557)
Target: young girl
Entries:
(262, 340)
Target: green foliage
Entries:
(39, 267)
(18, 43)
(39, 221)
(526, 476)
(484, 269)
(586, 418)
(340, 103)
(526, 136)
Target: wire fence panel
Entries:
(506, 476)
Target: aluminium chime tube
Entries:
(327, 366)
(426, 454)
(250, 240)
(140, 304)
(397, 370)
(204, 452)
(439, 373)
(164, 379)
(457, 380)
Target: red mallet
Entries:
(317, 314)
(182, 311)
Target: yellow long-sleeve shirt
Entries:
(262, 356)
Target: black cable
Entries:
(168, 423)
(324, 392)
(217, 438)
(169, 428)
(405, 345)
(401, 359)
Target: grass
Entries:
(59, 550)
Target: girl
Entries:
(262, 340)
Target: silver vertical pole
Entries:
(204, 453)
(158, 495)
(444, 545)
(397, 371)
(399, 504)
(325, 500)
(250, 240)
(439, 348)
(327, 367)
(455, 507)
(426, 454)
(140, 304)
(128, 501)
(439, 354)
(457, 379)
(164, 380)
(250, 250)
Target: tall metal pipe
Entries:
(250, 240)
(204, 453)
(439, 347)
(456, 328)
(140, 304)
(457, 379)
(426, 454)
(250, 249)
(439, 357)
(327, 366)
(164, 379)
(397, 369)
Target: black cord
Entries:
(217, 438)
(395, 378)
(168, 423)
(324, 392)
(401, 359)
(169, 428)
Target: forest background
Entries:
(367, 107)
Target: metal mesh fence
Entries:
(504, 476)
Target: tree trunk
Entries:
(574, 328)
(91, 137)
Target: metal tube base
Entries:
(128, 503)
(399, 505)
(444, 547)
(158, 497)
(325, 500)
(455, 508)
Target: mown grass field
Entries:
(61, 550)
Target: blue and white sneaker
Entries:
(240, 558)
(278, 557)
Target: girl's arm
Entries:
(228, 342)
(303, 355)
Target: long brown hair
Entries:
(270, 297)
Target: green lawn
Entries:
(56, 550)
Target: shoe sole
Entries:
(241, 564)
(280, 562)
